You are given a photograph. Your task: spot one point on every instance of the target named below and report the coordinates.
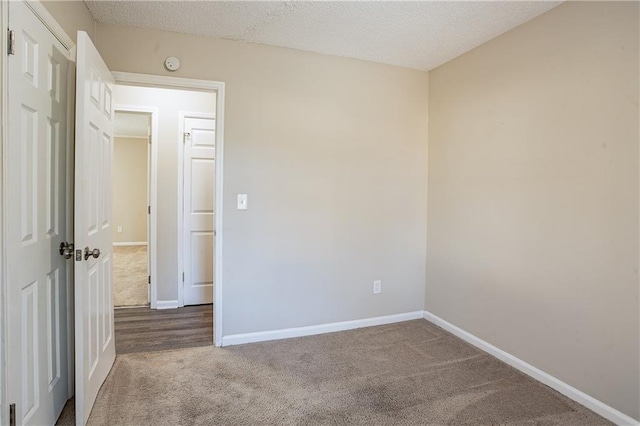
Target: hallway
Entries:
(151, 330)
(130, 276)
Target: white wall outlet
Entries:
(242, 202)
(119, 228)
(377, 287)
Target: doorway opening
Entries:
(179, 126)
(131, 208)
(60, 324)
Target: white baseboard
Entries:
(166, 304)
(133, 243)
(580, 397)
(262, 336)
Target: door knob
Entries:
(88, 253)
(66, 250)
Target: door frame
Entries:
(218, 87)
(182, 115)
(4, 399)
(152, 250)
(52, 25)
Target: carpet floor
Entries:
(130, 276)
(410, 373)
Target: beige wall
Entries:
(533, 186)
(332, 154)
(73, 16)
(130, 189)
(169, 104)
(533, 196)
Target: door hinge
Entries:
(12, 415)
(149, 279)
(148, 209)
(183, 277)
(11, 47)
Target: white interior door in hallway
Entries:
(198, 209)
(95, 343)
(35, 200)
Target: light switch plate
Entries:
(242, 202)
(119, 228)
(377, 287)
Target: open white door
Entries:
(198, 208)
(150, 127)
(95, 343)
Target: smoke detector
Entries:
(172, 63)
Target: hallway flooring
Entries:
(150, 330)
(130, 273)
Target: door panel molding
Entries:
(52, 25)
(52, 288)
(95, 343)
(182, 116)
(199, 214)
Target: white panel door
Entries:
(35, 193)
(198, 210)
(95, 343)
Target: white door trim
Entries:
(218, 87)
(71, 155)
(49, 21)
(181, 117)
(153, 194)
(4, 399)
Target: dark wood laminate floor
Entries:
(149, 330)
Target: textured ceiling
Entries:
(413, 34)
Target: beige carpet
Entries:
(411, 373)
(130, 276)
